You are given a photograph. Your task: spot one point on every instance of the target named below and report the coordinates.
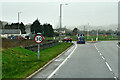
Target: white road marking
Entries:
(118, 46)
(106, 61)
(108, 66)
(100, 54)
(115, 78)
(61, 64)
(103, 58)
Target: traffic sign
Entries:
(38, 38)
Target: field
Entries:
(19, 63)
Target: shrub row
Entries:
(29, 43)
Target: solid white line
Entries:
(108, 66)
(61, 64)
(30, 76)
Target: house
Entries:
(8, 32)
(63, 30)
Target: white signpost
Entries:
(38, 39)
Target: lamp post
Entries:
(19, 16)
(19, 20)
(61, 20)
(97, 35)
(88, 32)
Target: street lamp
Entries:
(19, 16)
(88, 31)
(97, 35)
(61, 20)
(19, 20)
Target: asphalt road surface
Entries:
(90, 60)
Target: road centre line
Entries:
(110, 69)
(103, 58)
(100, 54)
(108, 66)
(61, 64)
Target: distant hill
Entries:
(108, 27)
(92, 27)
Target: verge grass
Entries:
(19, 62)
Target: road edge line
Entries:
(30, 76)
(61, 64)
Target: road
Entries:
(90, 60)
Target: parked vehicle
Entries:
(81, 40)
(11, 37)
(16, 37)
(67, 39)
(20, 37)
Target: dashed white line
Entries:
(103, 58)
(108, 66)
(110, 69)
(61, 64)
(100, 54)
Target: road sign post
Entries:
(38, 39)
(38, 50)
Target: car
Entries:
(67, 39)
(20, 37)
(13, 37)
(17, 37)
(81, 40)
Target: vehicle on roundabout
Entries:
(81, 39)
(67, 39)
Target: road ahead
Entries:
(90, 60)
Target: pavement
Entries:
(90, 60)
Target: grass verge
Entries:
(19, 62)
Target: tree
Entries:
(56, 34)
(12, 26)
(75, 31)
(22, 28)
(48, 30)
(36, 27)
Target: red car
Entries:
(19, 37)
(67, 39)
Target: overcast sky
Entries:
(76, 13)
